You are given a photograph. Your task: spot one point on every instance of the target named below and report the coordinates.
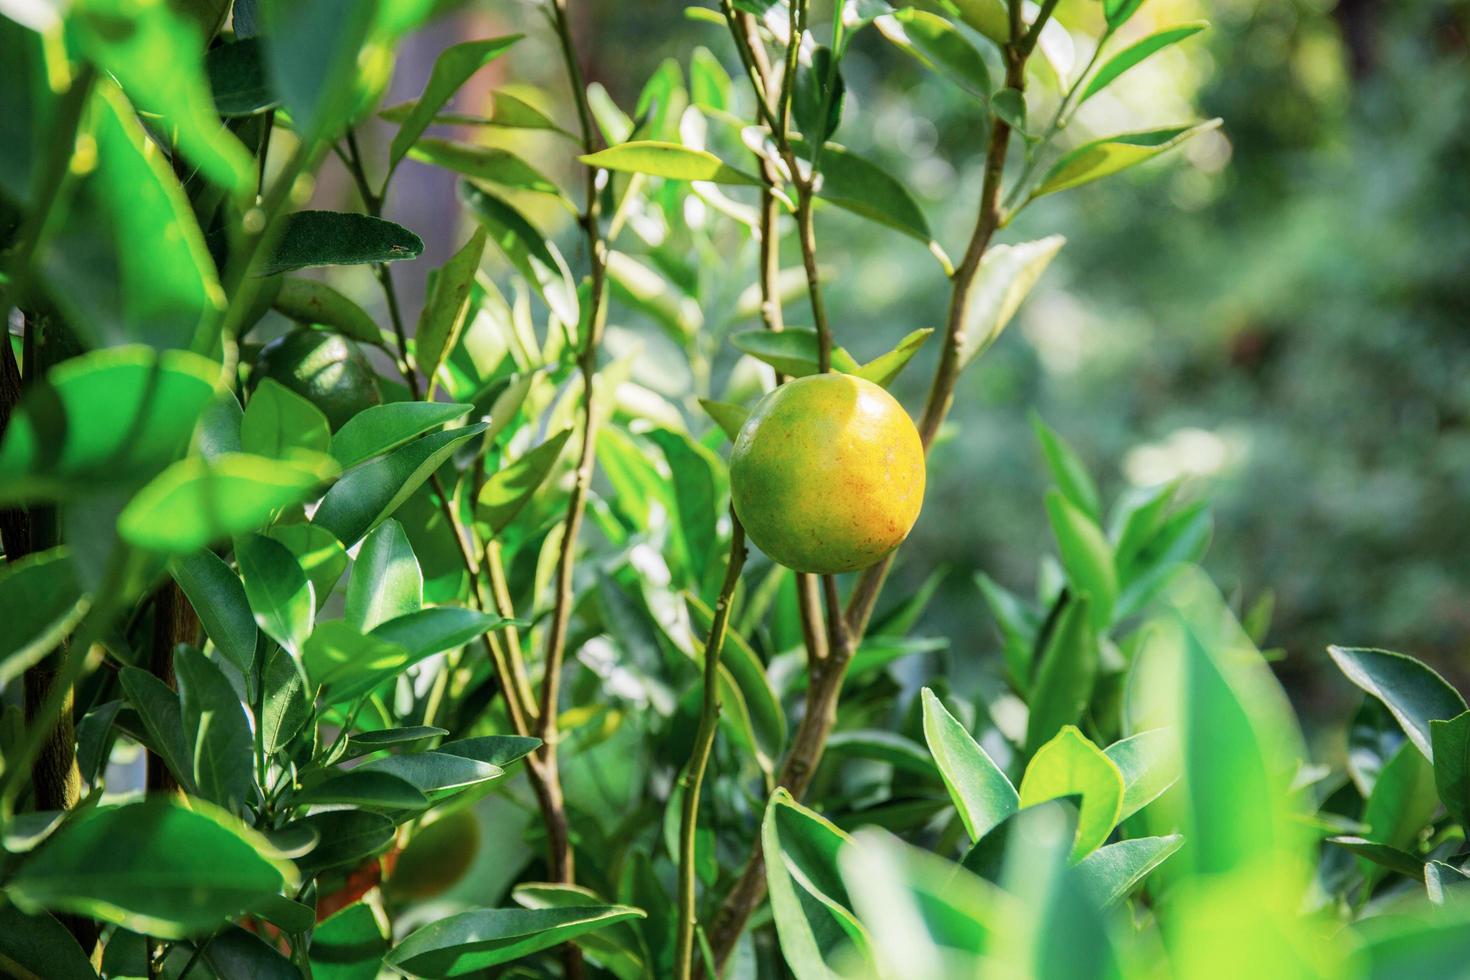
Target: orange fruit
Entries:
(827, 474)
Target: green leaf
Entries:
(473, 941)
(454, 66)
(498, 750)
(745, 684)
(218, 597)
(1065, 674)
(904, 754)
(650, 293)
(1002, 281)
(710, 86)
(792, 351)
(196, 501)
(812, 93)
(668, 160)
(620, 949)
(218, 429)
(310, 301)
(348, 945)
(698, 475)
(434, 772)
(491, 164)
(312, 238)
(862, 187)
(808, 898)
(1149, 762)
(1450, 741)
(382, 428)
(727, 416)
(346, 664)
(1104, 157)
(1110, 873)
(1402, 802)
(237, 76)
(320, 555)
(526, 249)
(1070, 765)
(158, 708)
(1382, 855)
(1183, 539)
(1086, 556)
(436, 629)
(109, 418)
(365, 787)
(447, 305)
(128, 264)
(981, 792)
(278, 421)
(344, 837)
(280, 594)
(882, 369)
(1117, 12)
(1135, 53)
(158, 59)
(221, 745)
(38, 947)
(362, 743)
(286, 707)
(369, 494)
(1017, 625)
(1412, 691)
(386, 579)
(40, 601)
(201, 867)
(511, 487)
(236, 952)
(1067, 470)
(313, 53)
(1010, 105)
(505, 110)
(936, 43)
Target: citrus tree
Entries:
(456, 640)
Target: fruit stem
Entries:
(693, 778)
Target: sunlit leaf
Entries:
(1104, 157)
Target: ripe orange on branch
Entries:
(827, 474)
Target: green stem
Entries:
(693, 778)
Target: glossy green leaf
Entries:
(526, 249)
(819, 86)
(1067, 470)
(981, 792)
(498, 750)
(285, 706)
(1149, 762)
(348, 945)
(38, 947)
(454, 66)
(238, 78)
(310, 301)
(936, 43)
(280, 594)
(1377, 855)
(1137, 52)
(434, 772)
(668, 160)
(362, 743)
(222, 747)
(108, 418)
(473, 941)
(1086, 556)
(237, 952)
(511, 487)
(1002, 281)
(1017, 624)
(436, 629)
(1402, 802)
(162, 716)
(710, 86)
(344, 837)
(698, 479)
(369, 494)
(40, 601)
(312, 51)
(447, 305)
(128, 264)
(882, 369)
(1412, 691)
(793, 351)
(903, 753)
(218, 429)
(503, 109)
(320, 555)
(491, 164)
(197, 501)
(386, 579)
(383, 428)
(159, 62)
(1110, 873)
(747, 677)
(1105, 157)
(1450, 740)
(727, 416)
(218, 597)
(1117, 12)
(347, 664)
(312, 238)
(201, 868)
(1065, 675)
(278, 421)
(808, 897)
(1182, 539)
(367, 788)
(1070, 765)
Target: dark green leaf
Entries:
(498, 750)
(1412, 691)
(238, 77)
(474, 941)
(348, 664)
(862, 187)
(309, 301)
(454, 66)
(320, 555)
(936, 43)
(383, 428)
(218, 597)
(286, 707)
(1451, 743)
(728, 417)
(433, 772)
(40, 601)
(201, 868)
(511, 487)
(526, 249)
(344, 837)
(697, 477)
(312, 51)
(793, 351)
(234, 952)
(1111, 872)
(348, 945)
(221, 747)
(362, 743)
(280, 594)
(1067, 471)
(1064, 676)
(38, 947)
(447, 305)
(366, 787)
(1086, 556)
(1383, 855)
(491, 164)
(813, 94)
(312, 238)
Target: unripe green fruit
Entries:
(326, 369)
(437, 857)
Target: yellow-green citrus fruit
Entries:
(326, 369)
(827, 474)
(436, 857)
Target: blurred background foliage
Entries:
(1278, 313)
